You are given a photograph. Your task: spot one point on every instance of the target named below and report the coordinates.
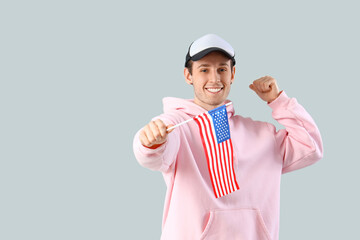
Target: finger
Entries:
(273, 82)
(149, 134)
(262, 84)
(272, 85)
(162, 127)
(267, 77)
(259, 79)
(265, 86)
(143, 139)
(155, 131)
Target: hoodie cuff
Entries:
(149, 151)
(281, 100)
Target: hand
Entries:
(266, 88)
(154, 134)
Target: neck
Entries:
(206, 106)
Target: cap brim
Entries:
(205, 52)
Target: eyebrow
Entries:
(203, 65)
(207, 65)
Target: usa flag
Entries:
(215, 136)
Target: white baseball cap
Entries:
(207, 44)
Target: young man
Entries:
(194, 207)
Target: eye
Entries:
(222, 69)
(203, 70)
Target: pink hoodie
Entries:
(261, 155)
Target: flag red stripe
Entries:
(219, 157)
(220, 166)
(226, 160)
(207, 129)
(229, 159)
(223, 167)
(210, 139)
(216, 157)
(207, 156)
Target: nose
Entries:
(214, 76)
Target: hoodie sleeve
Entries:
(161, 158)
(300, 143)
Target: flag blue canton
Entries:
(221, 124)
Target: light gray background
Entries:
(79, 78)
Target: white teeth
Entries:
(214, 90)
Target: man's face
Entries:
(211, 78)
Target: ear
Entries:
(188, 77)
(232, 75)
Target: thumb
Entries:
(169, 126)
(252, 87)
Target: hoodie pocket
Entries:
(237, 224)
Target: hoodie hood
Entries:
(189, 107)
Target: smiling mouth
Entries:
(214, 90)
